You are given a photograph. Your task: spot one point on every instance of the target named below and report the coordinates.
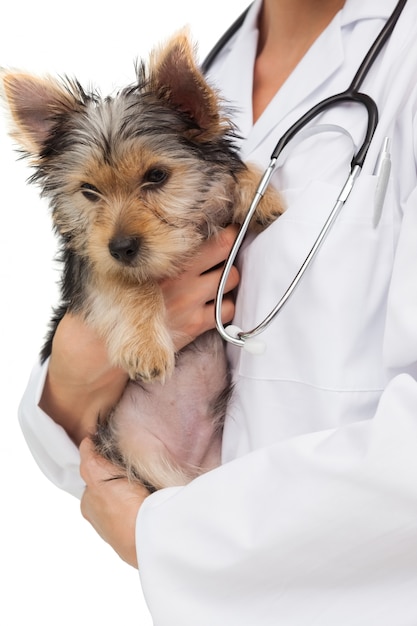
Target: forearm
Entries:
(76, 407)
(80, 383)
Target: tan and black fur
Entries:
(135, 183)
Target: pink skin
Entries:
(172, 424)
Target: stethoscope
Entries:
(231, 333)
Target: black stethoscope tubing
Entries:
(352, 94)
(223, 41)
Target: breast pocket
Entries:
(329, 334)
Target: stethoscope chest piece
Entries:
(251, 344)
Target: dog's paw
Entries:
(264, 217)
(148, 361)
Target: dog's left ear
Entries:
(175, 76)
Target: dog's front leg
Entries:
(270, 207)
(132, 321)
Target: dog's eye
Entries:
(155, 176)
(90, 192)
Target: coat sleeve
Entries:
(317, 529)
(52, 449)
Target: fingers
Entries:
(215, 250)
(111, 506)
(189, 298)
(93, 467)
(227, 311)
(207, 284)
(199, 282)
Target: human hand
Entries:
(189, 297)
(110, 503)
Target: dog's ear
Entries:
(175, 76)
(34, 104)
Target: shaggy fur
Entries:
(135, 183)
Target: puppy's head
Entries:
(135, 181)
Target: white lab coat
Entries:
(312, 518)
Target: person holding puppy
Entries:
(312, 516)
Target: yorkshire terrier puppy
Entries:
(135, 183)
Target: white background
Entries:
(55, 571)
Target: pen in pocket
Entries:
(382, 171)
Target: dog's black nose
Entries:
(124, 249)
